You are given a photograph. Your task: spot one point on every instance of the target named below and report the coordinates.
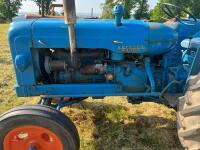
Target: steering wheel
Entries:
(167, 8)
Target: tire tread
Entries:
(188, 115)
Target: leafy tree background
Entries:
(9, 9)
(194, 7)
(191, 5)
(46, 4)
(142, 10)
(138, 9)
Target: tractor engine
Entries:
(129, 56)
(94, 66)
(90, 57)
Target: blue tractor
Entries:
(64, 61)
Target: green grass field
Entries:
(108, 124)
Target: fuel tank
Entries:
(133, 36)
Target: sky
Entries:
(82, 6)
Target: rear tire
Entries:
(39, 117)
(188, 115)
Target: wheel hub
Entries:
(32, 148)
(32, 138)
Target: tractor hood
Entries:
(133, 36)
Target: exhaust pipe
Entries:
(70, 20)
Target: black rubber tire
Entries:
(42, 116)
(188, 115)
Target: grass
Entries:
(107, 124)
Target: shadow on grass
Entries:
(5, 62)
(117, 129)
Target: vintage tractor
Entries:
(65, 62)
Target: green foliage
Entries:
(9, 9)
(46, 4)
(129, 5)
(157, 14)
(140, 7)
(192, 5)
(2, 18)
(142, 11)
(107, 9)
(109, 5)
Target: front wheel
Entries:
(188, 116)
(37, 128)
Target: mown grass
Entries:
(108, 124)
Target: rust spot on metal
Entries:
(154, 25)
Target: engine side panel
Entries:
(132, 37)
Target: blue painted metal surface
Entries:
(20, 42)
(22, 62)
(185, 31)
(81, 90)
(136, 59)
(135, 36)
(118, 11)
(150, 74)
(194, 48)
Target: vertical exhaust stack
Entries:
(70, 20)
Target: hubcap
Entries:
(32, 148)
(32, 138)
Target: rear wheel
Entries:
(37, 128)
(188, 116)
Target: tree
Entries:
(9, 8)
(140, 7)
(157, 14)
(194, 7)
(2, 18)
(45, 4)
(142, 10)
(107, 9)
(109, 5)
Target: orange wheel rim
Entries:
(22, 138)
